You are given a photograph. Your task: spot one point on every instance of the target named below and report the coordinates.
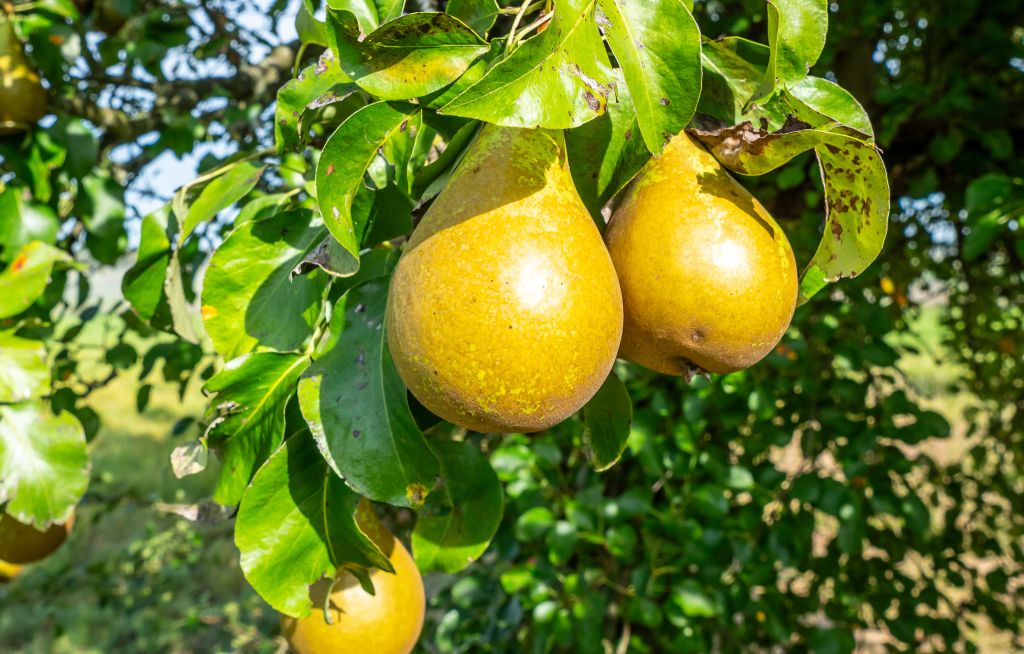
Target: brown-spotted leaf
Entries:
(856, 189)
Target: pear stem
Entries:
(515, 24)
(534, 25)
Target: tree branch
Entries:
(251, 83)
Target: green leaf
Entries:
(431, 178)
(64, 8)
(856, 191)
(185, 321)
(606, 153)
(818, 101)
(732, 68)
(143, 284)
(232, 183)
(371, 13)
(101, 205)
(247, 415)
(458, 535)
(409, 57)
(25, 279)
(343, 163)
(356, 406)
(309, 29)
(558, 79)
(478, 14)
(796, 36)
(297, 523)
(388, 216)
(24, 373)
(606, 421)
(691, 599)
(21, 223)
(249, 296)
(44, 465)
(657, 44)
(296, 95)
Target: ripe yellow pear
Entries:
(22, 96)
(504, 313)
(21, 543)
(708, 278)
(388, 622)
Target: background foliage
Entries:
(861, 487)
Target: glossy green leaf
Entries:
(22, 223)
(657, 44)
(25, 279)
(733, 67)
(24, 373)
(143, 283)
(458, 533)
(606, 153)
(296, 95)
(309, 29)
(232, 183)
(796, 36)
(295, 524)
(356, 406)
(343, 163)
(818, 101)
(44, 465)
(246, 416)
(559, 79)
(249, 296)
(856, 191)
(606, 423)
(409, 57)
(185, 320)
(478, 14)
(371, 13)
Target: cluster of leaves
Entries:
(309, 405)
(703, 535)
(293, 297)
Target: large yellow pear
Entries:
(388, 622)
(22, 96)
(21, 543)
(708, 278)
(504, 313)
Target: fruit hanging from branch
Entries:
(21, 543)
(504, 312)
(22, 96)
(709, 282)
(387, 622)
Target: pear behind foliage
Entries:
(22, 96)
(387, 622)
(504, 313)
(708, 278)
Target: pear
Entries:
(387, 622)
(22, 96)
(504, 313)
(709, 282)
